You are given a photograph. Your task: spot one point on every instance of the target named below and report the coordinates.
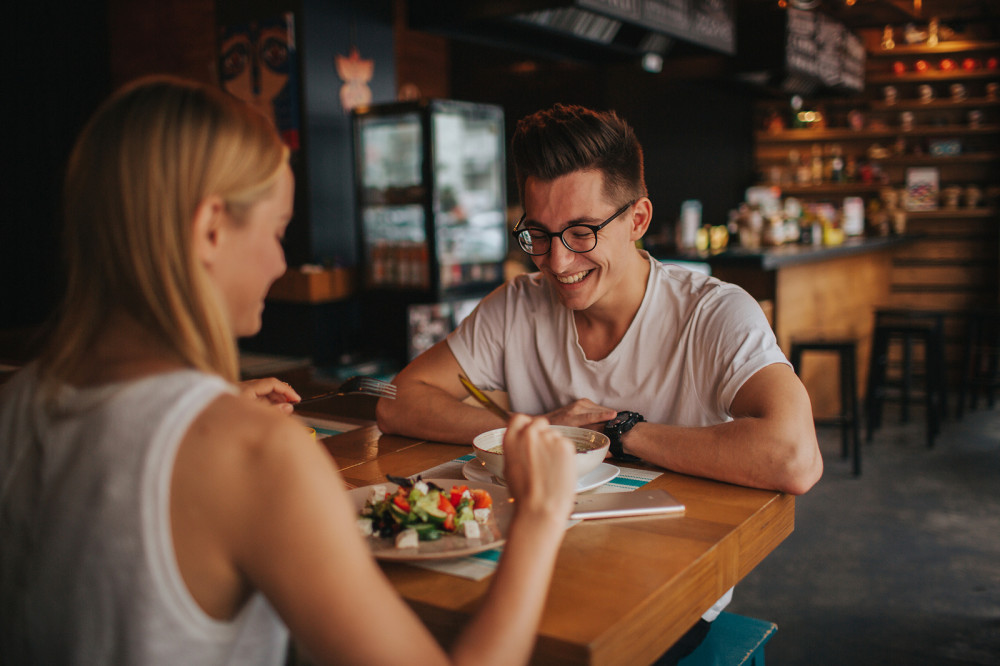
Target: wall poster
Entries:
(258, 64)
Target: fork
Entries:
(361, 385)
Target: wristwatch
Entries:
(618, 426)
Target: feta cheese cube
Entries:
(466, 494)
(365, 525)
(482, 515)
(470, 529)
(421, 486)
(407, 539)
(377, 493)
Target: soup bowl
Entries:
(591, 448)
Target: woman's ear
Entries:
(641, 218)
(209, 219)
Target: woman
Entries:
(149, 514)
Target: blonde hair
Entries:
(143, 164)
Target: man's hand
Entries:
(272, 391)
(582, 413)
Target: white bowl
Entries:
(591, 447)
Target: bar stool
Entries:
(848, 418)
(733, 640)
(981, 362)
(907, 327)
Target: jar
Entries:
(906, 121)
(973, 195)
(957, 92)
(950, 196)
(975, 118)
(891, 94)
(925, 93)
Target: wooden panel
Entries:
(954, 275)
(422, 59)
(162, 37)
(831, 299)
(948, 249)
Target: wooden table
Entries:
(624, 590)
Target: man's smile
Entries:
(572, 279)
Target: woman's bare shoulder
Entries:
(234, 430)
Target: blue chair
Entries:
(732, 641)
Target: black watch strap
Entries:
(616, 428)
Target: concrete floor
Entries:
(898, 566)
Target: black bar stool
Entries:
(907, 327)
(848, 417)
(981, 362)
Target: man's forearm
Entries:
(431, 413)
(747, 451)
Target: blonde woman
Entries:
(150, 514)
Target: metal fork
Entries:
(360, 385)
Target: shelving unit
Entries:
(952, 264)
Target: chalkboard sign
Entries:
(852, 70)
(709, 23)
(821, 48)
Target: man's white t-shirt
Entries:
(693, 343)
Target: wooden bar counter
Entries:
(624, 590)
(815, 291)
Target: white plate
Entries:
(494, 532)
(475, 470)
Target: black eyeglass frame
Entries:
(517, 233)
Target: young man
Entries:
(680, 369)
(677, 368)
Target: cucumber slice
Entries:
(427, 532)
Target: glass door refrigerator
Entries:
(431, 207)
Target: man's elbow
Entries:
(802, 469)
(385, 416)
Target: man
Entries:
(687, 364)
(679, 369)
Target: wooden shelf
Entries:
(933, 75)
(844, 134)
(938, 160)
(907, 160)
(313, 286)
(952, 213)
(943, 48)
(935, 105)
(837, 189)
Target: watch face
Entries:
(619, 420)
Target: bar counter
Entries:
(814, 291)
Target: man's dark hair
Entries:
(567, 138)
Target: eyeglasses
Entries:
(577, 238)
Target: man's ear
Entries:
(209, 219)
(641, 218)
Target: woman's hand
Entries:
(539, 468)
(272, 391)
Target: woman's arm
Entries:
(274, 516)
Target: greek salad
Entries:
(422, 511)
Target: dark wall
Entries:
(696, 130)
(328, 30)
(58, 76)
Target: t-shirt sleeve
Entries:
(478, 342)
(738, 341)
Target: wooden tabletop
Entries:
(624, 590)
